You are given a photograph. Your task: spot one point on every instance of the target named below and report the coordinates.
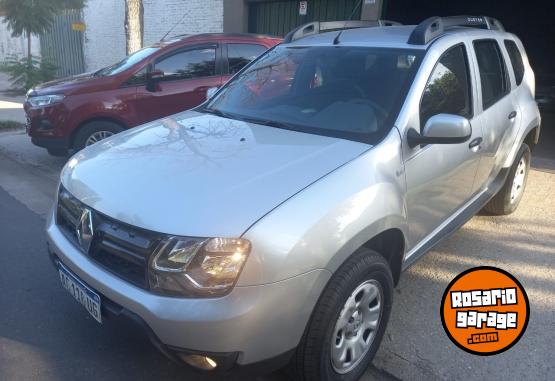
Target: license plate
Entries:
(82, 293)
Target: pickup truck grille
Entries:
(121, 249)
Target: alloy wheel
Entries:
(97, 136)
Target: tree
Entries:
(33, 17)
(134, 27)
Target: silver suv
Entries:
(270, 225)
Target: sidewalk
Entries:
(11, 107)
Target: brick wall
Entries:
(15, 45)
(201, 16)
(105, 34)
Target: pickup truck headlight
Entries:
(194, 267)
(45, 100)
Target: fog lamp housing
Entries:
(199, 361)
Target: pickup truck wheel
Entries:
(507, 199)
(348, 322)
(94, 132)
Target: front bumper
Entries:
(47, 126)
(256, 323)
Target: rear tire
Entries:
(507, 199)
(93, 132)
(328, 350)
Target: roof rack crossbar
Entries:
(435, 26)
(317, 27)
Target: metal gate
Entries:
(63, 46)
(279, 17)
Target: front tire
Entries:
(94, 132)
(507, 199)
(348, 322)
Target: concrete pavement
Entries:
(414, 348)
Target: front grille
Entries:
(120, 248)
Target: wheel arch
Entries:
(92, 120)
(531, 139)
(390, 244)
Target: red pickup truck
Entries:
(159, 80)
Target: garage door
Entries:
(279, 17)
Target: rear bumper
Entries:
(250, 325)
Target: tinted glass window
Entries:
(189, 64)
(138, 78)
(492, 71)
(344, 91)
(127, 62)
(448, 89)
(241, 54)
(516, 60)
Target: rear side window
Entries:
(492, 71)
(516, 60)
(448, 89)
(195, 63)
(241, 54)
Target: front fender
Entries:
(320, 227)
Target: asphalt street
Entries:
(45, 335)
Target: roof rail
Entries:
(434, 26)
(317, 27)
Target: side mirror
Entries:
(211, 91)
(441, 129)
(152, 77)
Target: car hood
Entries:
(66, 85)
(200, 175)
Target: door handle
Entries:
(475, 143)
(512, 115)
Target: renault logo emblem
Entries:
(85, 230)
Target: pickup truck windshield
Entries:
(343, 91)
(127, 62)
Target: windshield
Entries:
(127, 62)
(343, 91)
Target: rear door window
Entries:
(493, 73)
(194, 63)
(239, 55)
(516, 60)
(448, 90)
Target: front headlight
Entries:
(45, 100)
(194, 267)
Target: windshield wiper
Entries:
(265, 122)
(270, 123)
(215, 111)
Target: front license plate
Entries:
(82, 293)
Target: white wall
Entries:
(15, 45)
(105, 34)
(201, 16)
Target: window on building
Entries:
(189, 64)
(448, 88)
(516, 60)
(492, 71)
(241, 54)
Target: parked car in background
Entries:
(159, 80)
